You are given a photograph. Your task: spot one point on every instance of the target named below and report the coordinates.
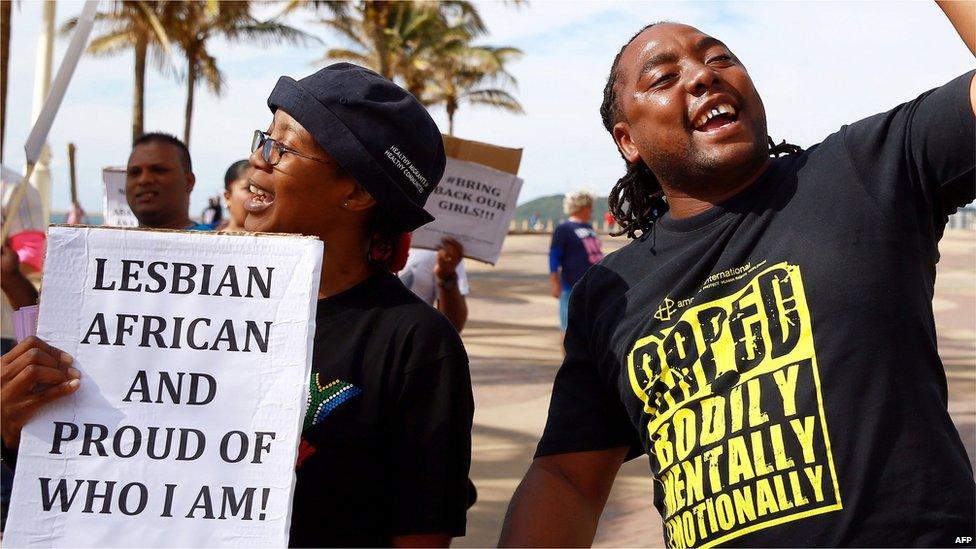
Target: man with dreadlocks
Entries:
(767, 339)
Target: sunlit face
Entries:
(235, 196)
(157, 187)
(299, 195)
(690, 109)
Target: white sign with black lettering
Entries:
(473, 204)
(195, 356)
(115, 207)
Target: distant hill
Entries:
(551, 207)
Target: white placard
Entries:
(192, 346)
(474, 204)
(115, 206)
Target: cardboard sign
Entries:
(465, 204)
(473, 204)
(505, 159)
(115, 207)
(195, 355)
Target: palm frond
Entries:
(269, 33)
(347, 29)
(493, 97)
(211, 74)
(111, 44)
(154, 24)
(339, 54)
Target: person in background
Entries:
(213, 214)
(236, 195)
(438, 277)
(575, 246)
(76, 215)
(158, 183)
(24, 250)
(609, 220)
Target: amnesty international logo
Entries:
(731, 394)
(665, 311)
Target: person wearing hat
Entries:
(350, 157)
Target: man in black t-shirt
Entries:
(767, 339)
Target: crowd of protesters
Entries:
(705, 193)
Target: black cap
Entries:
(376, 130)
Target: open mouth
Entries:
(717, 117)
(146, 195)
(261, 199)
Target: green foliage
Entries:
(194, 23)
(149, 27)
(425, 45)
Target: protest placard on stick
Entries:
(195, 354)
(475, 199)
(473, 204)
(115, 206)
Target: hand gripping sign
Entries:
(475, 199)
(195, 351)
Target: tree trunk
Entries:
(416, 89)
(191, 81)
(5, 13)
(138, 92)
(451, 109)
(377, 16)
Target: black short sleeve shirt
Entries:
(776, 355)
(387, 442)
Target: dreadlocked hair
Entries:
(637, 200)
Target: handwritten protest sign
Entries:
(195, 352)
(114, 204)
(473, 204)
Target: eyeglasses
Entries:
(272, 150)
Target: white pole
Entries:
(41, 180)
(45, 118)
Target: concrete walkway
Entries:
(515, 345)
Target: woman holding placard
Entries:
(351, 158)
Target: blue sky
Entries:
(817, 65)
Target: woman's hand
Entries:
(32, 374)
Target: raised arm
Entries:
(962, 15)
(570, 491)
(450, 300)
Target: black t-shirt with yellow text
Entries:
(776, 356)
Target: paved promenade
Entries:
(515, 345)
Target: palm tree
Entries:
(427, 46)
(475, 75)
(378, 32)
(392, 37)
(138, 25)
(197, 22)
